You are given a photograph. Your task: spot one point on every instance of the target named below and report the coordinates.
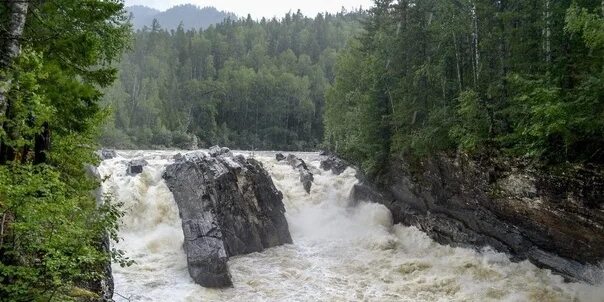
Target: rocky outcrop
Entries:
(306, 177)
(556, 222)
(101, 288)
(333, 163)
(229, 206)
(136, 166)
(105, 285)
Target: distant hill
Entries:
(190, 15)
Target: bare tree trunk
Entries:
(16, 24)
(547, 32)
(10, 49)
(2, 229)
(475, 42)
(457, 62)
(11, 43)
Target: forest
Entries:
(243, 83)
(495, 78)
(406, 78)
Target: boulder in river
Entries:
(136, 166)
(229, 206)
(333, 163)
(306, 177)
(279, 156)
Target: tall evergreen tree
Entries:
(519, 76)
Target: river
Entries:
(341, 251)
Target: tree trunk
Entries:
(42, 145)
(475, 45)
(547, 32)
(11, 46)
(457, 62)
(16, 24)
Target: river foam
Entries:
(341, 251)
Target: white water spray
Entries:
(341, 252)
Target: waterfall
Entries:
(341, 252)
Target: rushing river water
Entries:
(341, 252)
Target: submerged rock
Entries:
(136, 166)
(229, 206)
(306, 177)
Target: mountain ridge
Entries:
(191, 16)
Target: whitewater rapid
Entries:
(341, 251)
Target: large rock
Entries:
(136, 166)
(556, 222)
(229, 206)
(333, 163)
(279, 156)
(306, 177)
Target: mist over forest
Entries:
(242, 83)
(189, 15)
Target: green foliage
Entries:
(539, 117)
(28, 108)
(472, 129)
(524, 77)
(351, 119)
(590, 25)
(49, 244)
(51, 227)
(242, 83)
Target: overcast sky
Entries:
(261, 8)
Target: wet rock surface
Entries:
(306, 177)
(103, 284)
(136, 166)
(333, 163)
(555, 223)
(279, 156)
(229, 206)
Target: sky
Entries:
(261, 8)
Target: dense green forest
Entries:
(54, 58)
(407, 78)
(242, 83)
(519, 78)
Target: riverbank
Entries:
(553, 219)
